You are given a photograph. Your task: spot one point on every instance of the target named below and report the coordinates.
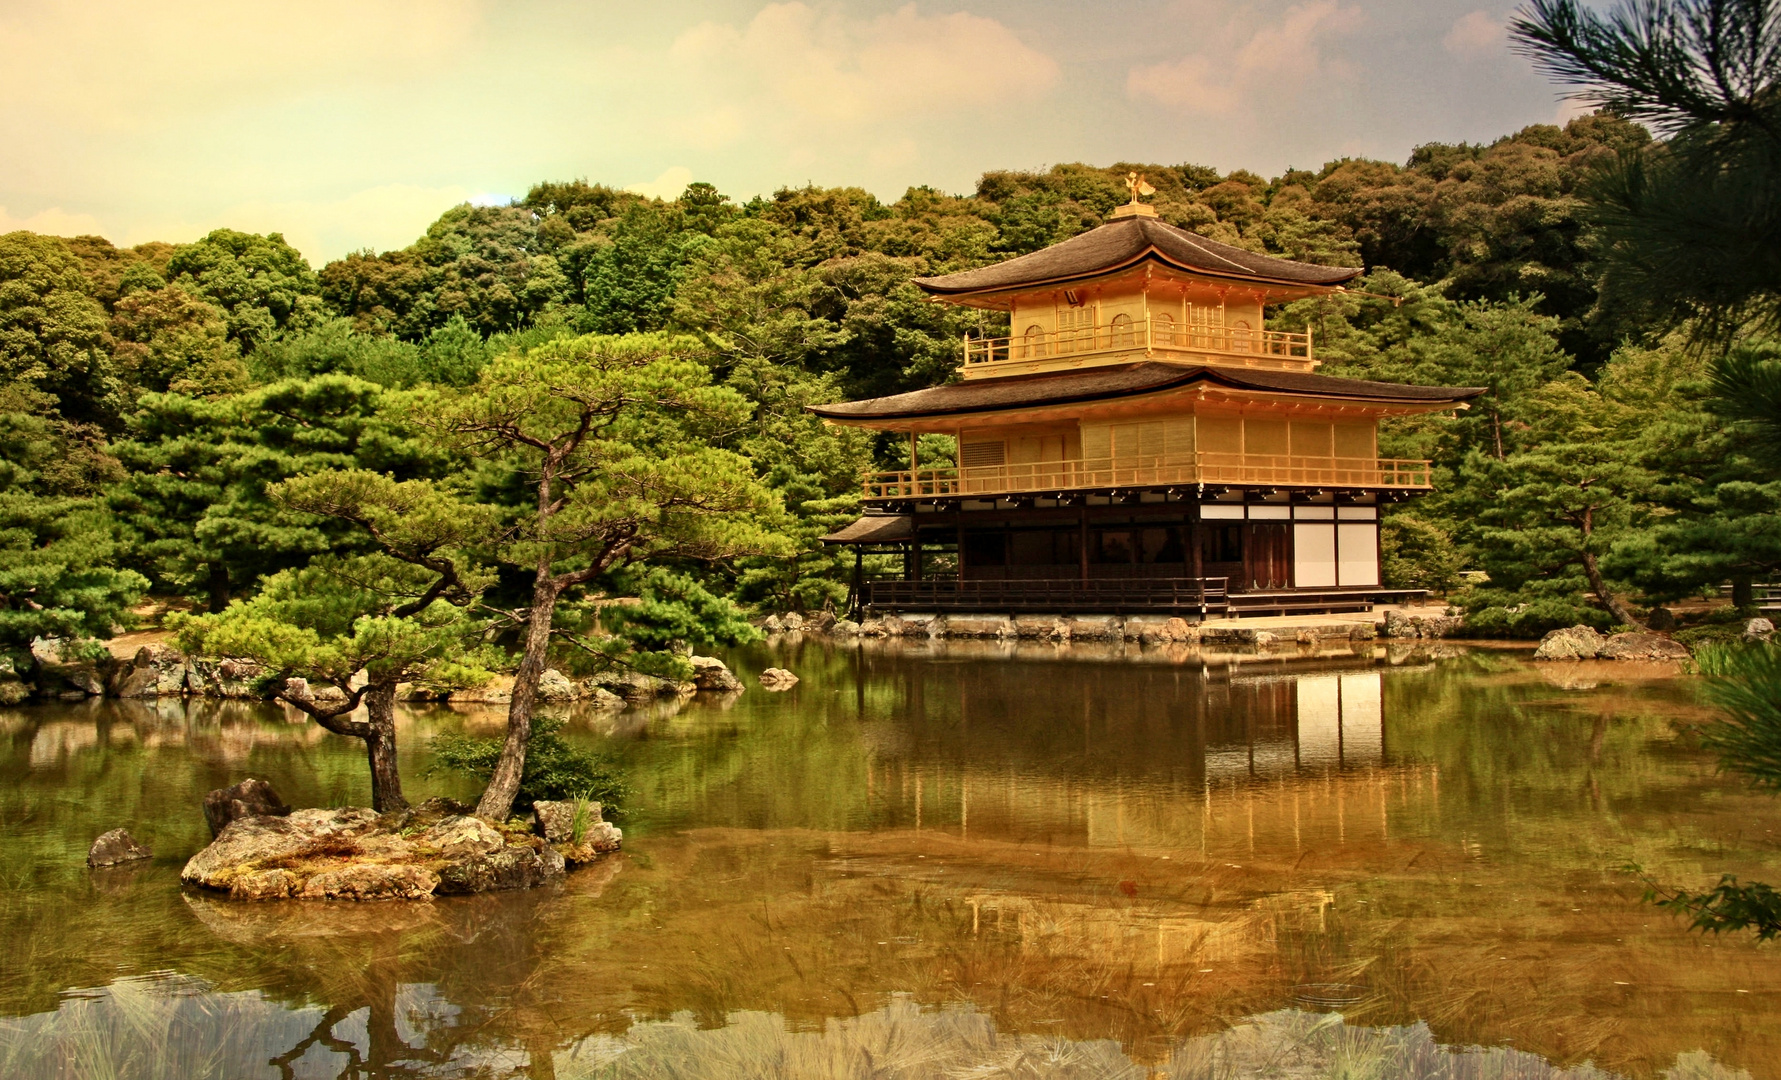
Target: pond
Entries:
(944, 860)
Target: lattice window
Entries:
(981, 454)
(1075, 329)
(1205, 326)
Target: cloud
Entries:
(384, 217)
(1476, 33)
(669, 185)
(1241, 70)
(52, 222)
(795, 67)
(122, 64)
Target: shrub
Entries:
(555, 770)
(1418, 555)
(1489, 614)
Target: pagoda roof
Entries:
(875, 529)
(1127, 242)
(1128, 380)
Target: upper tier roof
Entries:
(1126, 242)
(1126, 380)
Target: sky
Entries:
(352, 124)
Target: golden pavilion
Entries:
(1140, 443)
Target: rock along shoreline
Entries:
(159, 670)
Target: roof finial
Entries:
(1136, 184)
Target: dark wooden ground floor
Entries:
(1260, 555)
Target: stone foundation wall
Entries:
(1146, 629)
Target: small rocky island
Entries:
(437, 848)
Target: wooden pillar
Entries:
(1196, 559)
(960, 521)
(857, 603)
(1082, 539)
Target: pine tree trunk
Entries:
(1743, 592)
(497, 799)
(1599, 585)
(219, 587)
(380, 748)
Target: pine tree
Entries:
(1690, 227)
(196, 495)
(611, 440)
(364, 625)
(62, 573)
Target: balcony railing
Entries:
(1137, 472)
(1261, 348)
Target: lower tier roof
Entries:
(1128, 380)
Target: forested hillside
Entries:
(152, 394)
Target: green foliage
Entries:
(52, 331)
(1531, 611)
(169, 339)
(1746, 389)
(1418, 554)
(196, 495)
(1715, 508)
(62, 569)
(673, 613)
(1690, 227)
(1745, 684)
(1726, 906)
(555, 769)
(335, 619)
(635, 476)
(263, 285)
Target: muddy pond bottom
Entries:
(946, 859)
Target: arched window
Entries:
(1241, 339)
(1035, 345)
(1123, 338)
(1162, 328)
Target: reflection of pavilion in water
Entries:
(1163, 760)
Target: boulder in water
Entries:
(1642, 646)
(249, 798)
(710, 673)
(115, 847)
(555, 821)
(777, 679)
(554, 686)
(1570, 643)
(155, 671)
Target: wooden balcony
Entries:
(1095, 474)
(1151, 337)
